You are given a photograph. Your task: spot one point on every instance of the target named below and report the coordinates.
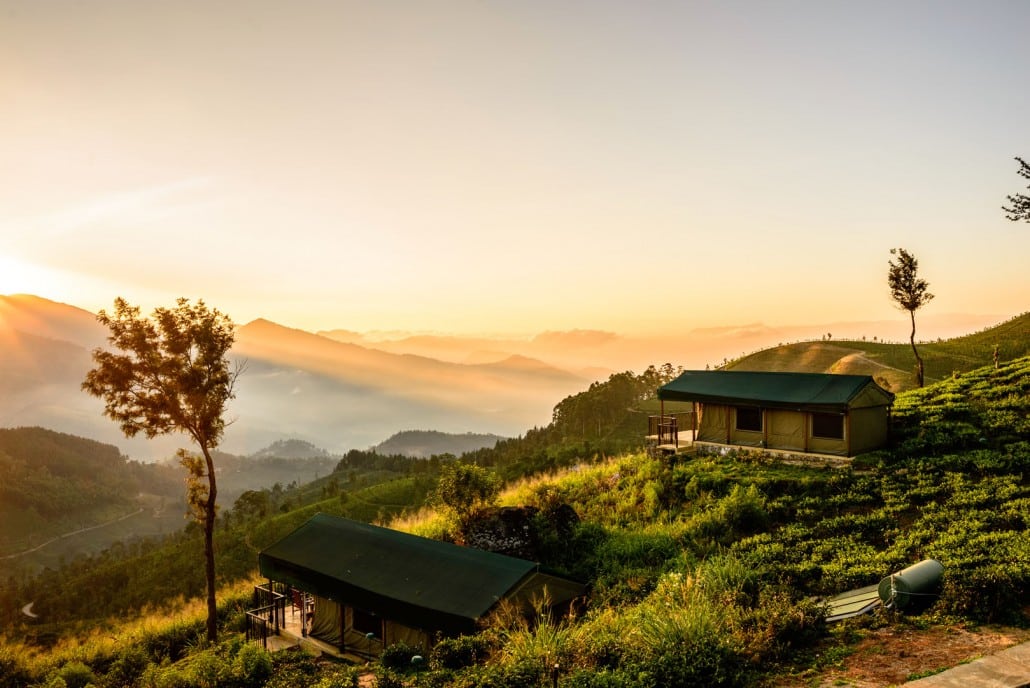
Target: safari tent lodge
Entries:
(361, 588)
(803, 413)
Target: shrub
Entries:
(75, 674)
(207, 670)
(14, 671)
(127, 667)
(398, 656)
(522, 675)
(458, 653)
(337, 677)
(291, 668)
(388, 678)
(252, 666)
(701, 662)
(169, 677)
(173, 641)
(607, 678)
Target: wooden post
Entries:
(765, 431)
(343, 627)
(847, 433)
(693, 419)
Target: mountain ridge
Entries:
(296, 384)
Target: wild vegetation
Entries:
(702, 570)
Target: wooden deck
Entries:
(291, 635)
(683, 441)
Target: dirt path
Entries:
(70, 534)
(892, 656)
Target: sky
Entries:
(514, 167)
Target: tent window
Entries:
(828, 425)
(367, 622)
(749, 419)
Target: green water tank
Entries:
(909, 586)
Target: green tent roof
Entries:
(800, 391)
(420, 582)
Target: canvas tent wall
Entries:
(401, 586)
(798, 412)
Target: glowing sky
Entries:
(487, 166)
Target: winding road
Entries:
(69, 534)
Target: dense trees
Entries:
(171, 374)
(909, 292)
(1020, 209)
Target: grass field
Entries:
(894, 363)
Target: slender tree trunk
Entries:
(209, 547)
(912, 340)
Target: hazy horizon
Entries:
(514, 168)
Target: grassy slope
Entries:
(894, 362)
(704, 565)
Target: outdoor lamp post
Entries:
(417, 662)
(368, 637)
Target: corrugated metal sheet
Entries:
(853, 603)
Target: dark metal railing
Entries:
(665, 428)
(269, 617)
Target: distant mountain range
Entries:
(296, 385)
(425, 443)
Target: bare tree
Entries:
(1020, 209)
(908, 290)
(172, 374)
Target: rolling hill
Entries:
(893, 363)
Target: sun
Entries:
(22, 277)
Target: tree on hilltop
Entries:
(1020, 209)
(909, 291)
(171, 374)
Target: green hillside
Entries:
(52, 483)
(425, 443)
(702, 571)
(894, 363)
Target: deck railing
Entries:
(666, 428)
(268, 618)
